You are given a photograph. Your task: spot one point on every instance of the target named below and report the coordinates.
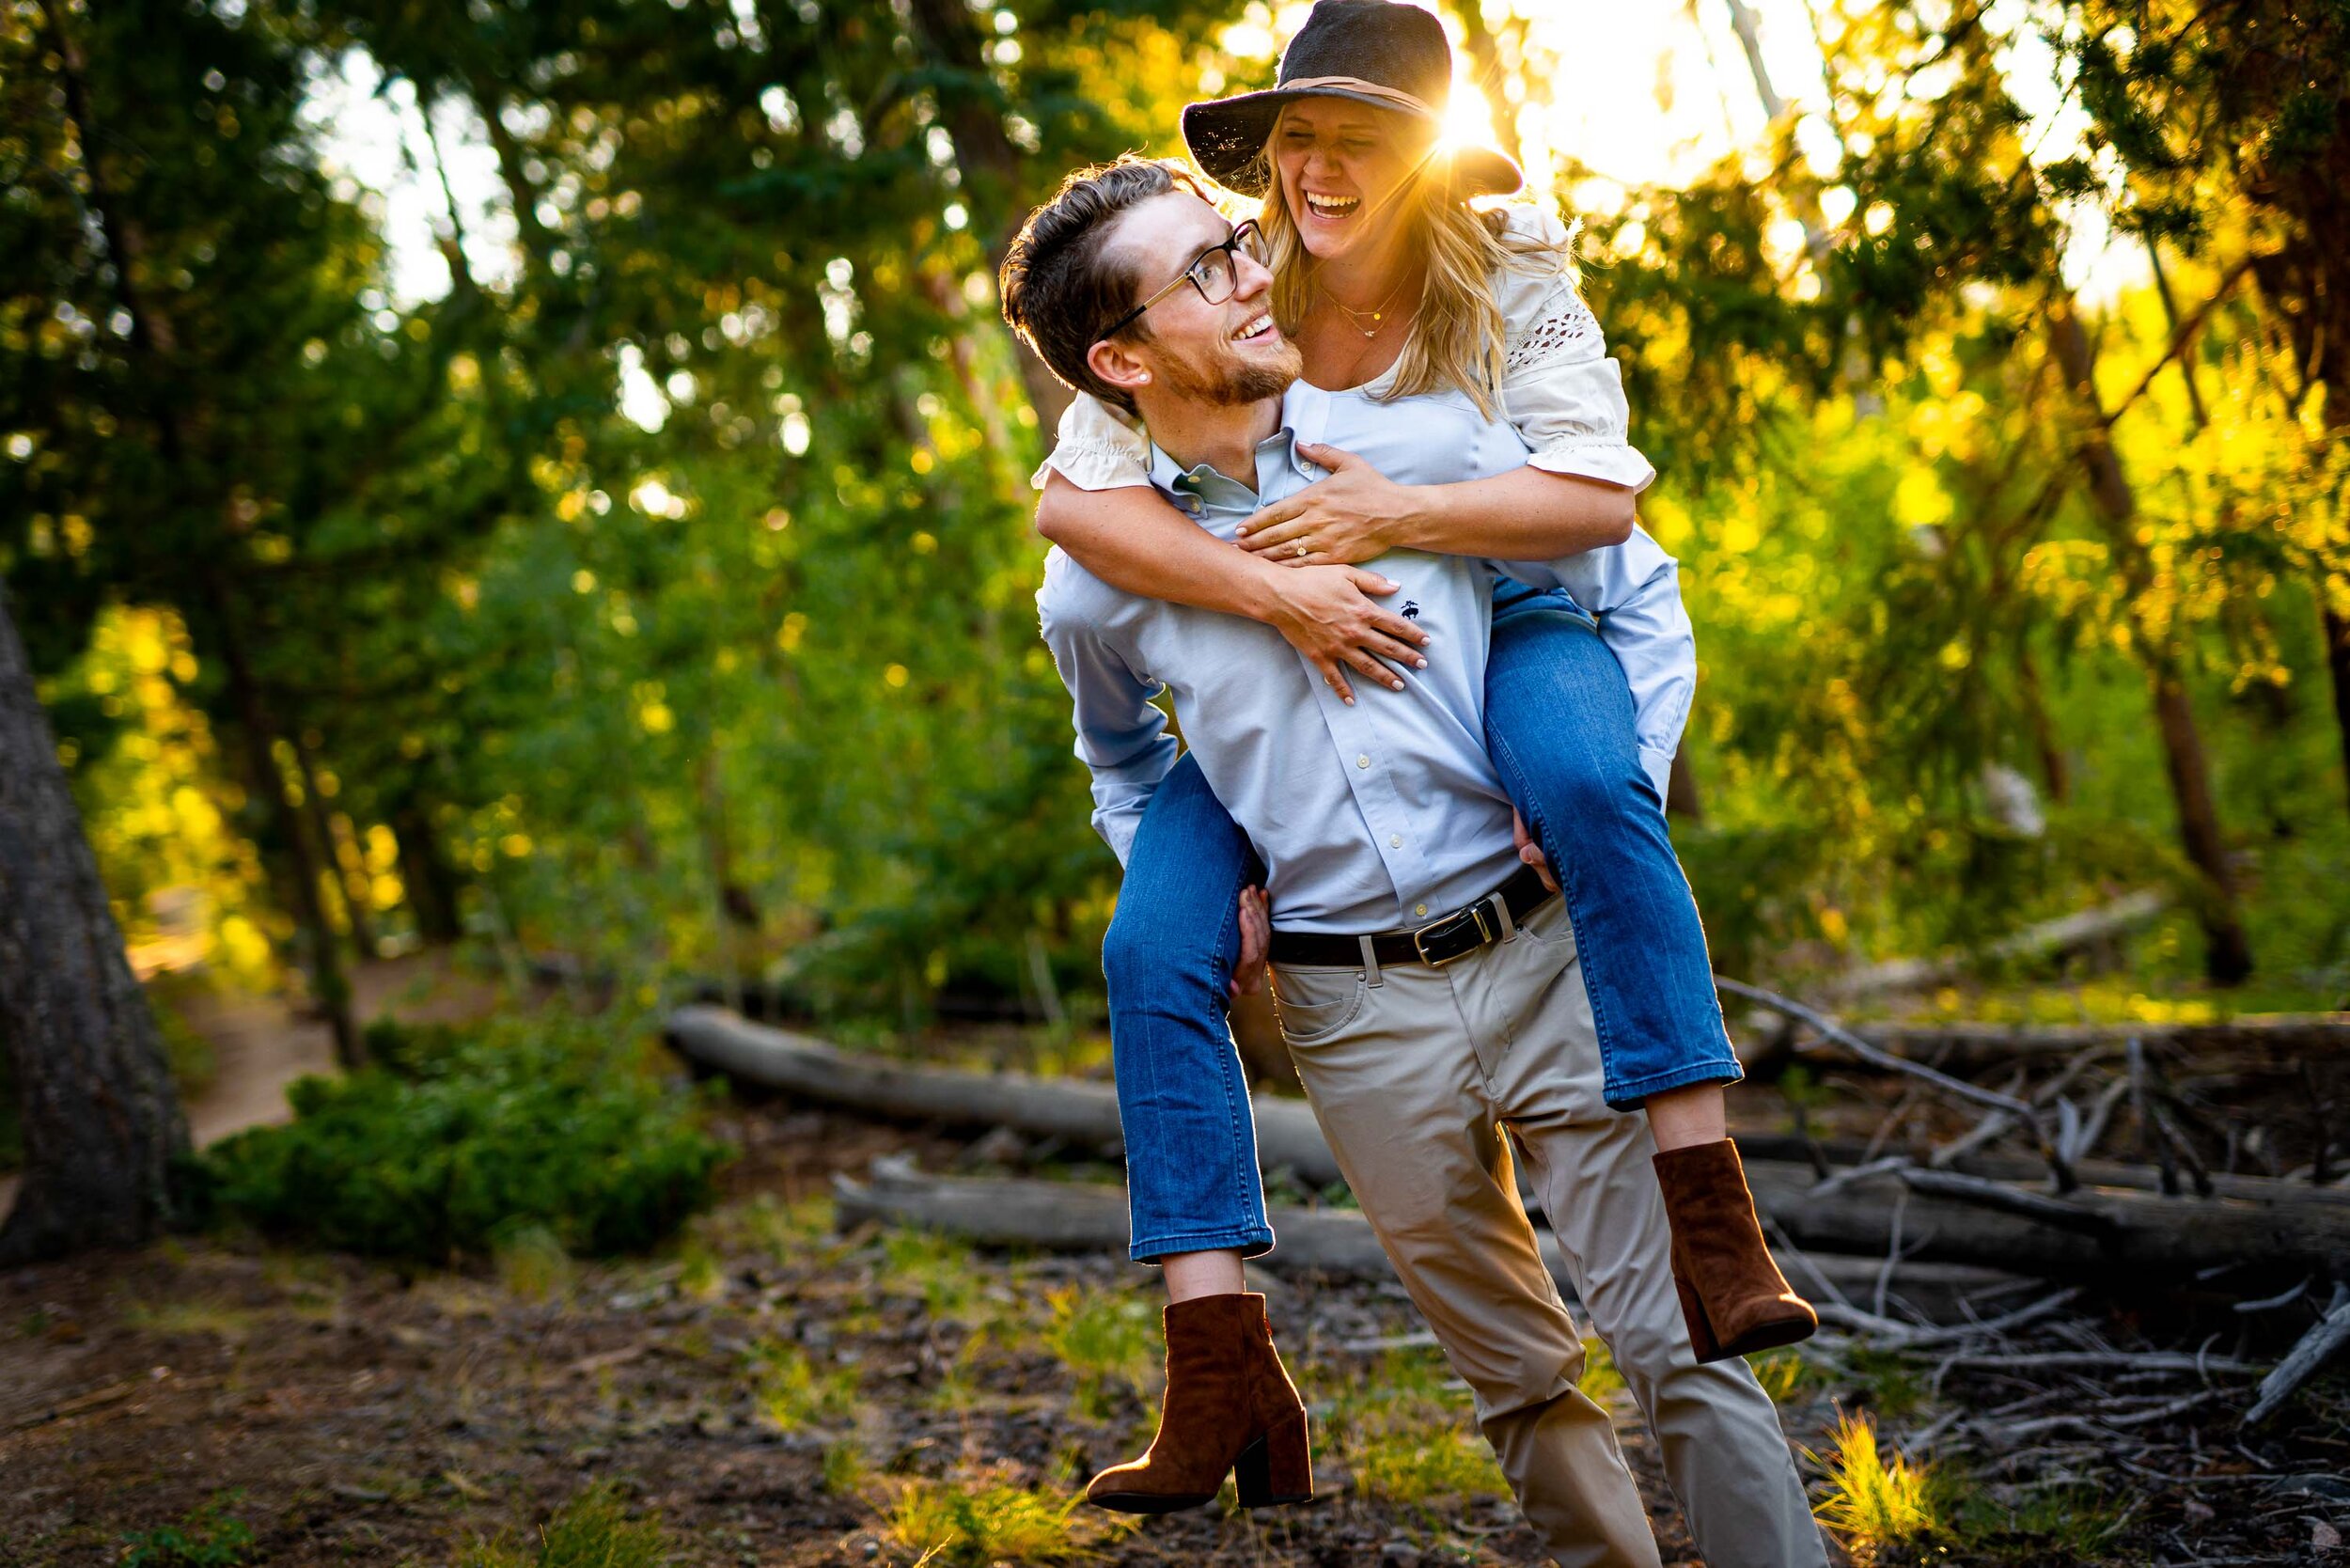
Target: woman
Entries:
(1388, 281)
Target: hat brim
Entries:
(1227, 137)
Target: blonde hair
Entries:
(1458, 339)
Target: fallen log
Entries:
(2277, 1039)
(1082, 1115)
(2105, 1234)
(1069, 1216)
(2049, 939)
(1844, 1152)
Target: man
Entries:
(1427, 982)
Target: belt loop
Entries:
(1501, 907)
(1371, 960)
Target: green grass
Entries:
(1875, 1499)
(975, 1525)
(792, 1395)
(207, 1537)
(1106, 1339)
(847, 1470)
(1888, 1379)
(958, 1390)
(1783, 1373)
(532, 1264)
(1408, 1437)
(1422, 1461)
(2050, 1524)
(593, 1530)
(1601, 1379)
(938, 1268)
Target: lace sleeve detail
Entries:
(1564, 394)
(1563, 328)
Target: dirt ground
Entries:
(775, 1393)
(349, 1412)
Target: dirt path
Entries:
(262, 1045)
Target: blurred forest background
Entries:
(556, 473)
(519, 513)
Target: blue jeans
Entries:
(1559, 726)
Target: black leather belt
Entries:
(1439, 942)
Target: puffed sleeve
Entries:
(1560, 390)
(1098, 449)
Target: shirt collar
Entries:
(1213, 485)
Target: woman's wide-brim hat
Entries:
(1383, 52)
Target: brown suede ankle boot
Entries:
(1229, 1407)
(1732, 1295)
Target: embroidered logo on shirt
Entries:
(1411, 609)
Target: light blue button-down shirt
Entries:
(1383, 814)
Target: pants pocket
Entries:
(1313, 1004)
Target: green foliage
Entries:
(1783, 1373)
(477, 1135)
(793, 1395)
(971, 1526)
(935, 1265)
(209, 1537)
(1874, 1499)
(1408, 1437)
(657, 590)
(1109, 1338)
(595, 1529)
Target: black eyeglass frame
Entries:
(1243, 232)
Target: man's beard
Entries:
(1231, 380)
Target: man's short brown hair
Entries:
(1057, 291)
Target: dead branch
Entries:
(2302, 1362)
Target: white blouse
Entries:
(1560, 388)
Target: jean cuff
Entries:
(1629, 1097)
(1253, 1241)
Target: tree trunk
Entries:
(2335, 625)
(2228, 954)
(430, 886)
(989, 164)
(329, 990)
(356, 911)
(2337, 632)
(105, 1140)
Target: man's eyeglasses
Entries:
(1214, 274)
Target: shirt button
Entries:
(1363, 761)
(1420, 909)
(1394, 841)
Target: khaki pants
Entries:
(1414, 1074)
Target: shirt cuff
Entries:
(1611, 461)
(1091, 467)
(1658, 762)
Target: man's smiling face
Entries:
(1229, 352)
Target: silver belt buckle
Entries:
(1484, 937)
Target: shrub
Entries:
(462, 1139)
(1874, 1499)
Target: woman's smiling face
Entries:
(1343, 166)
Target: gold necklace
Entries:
(1354, 318)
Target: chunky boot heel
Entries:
(1692, 1314)
(1276, 1469)
(1735, 1299)
(1230, 1403)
